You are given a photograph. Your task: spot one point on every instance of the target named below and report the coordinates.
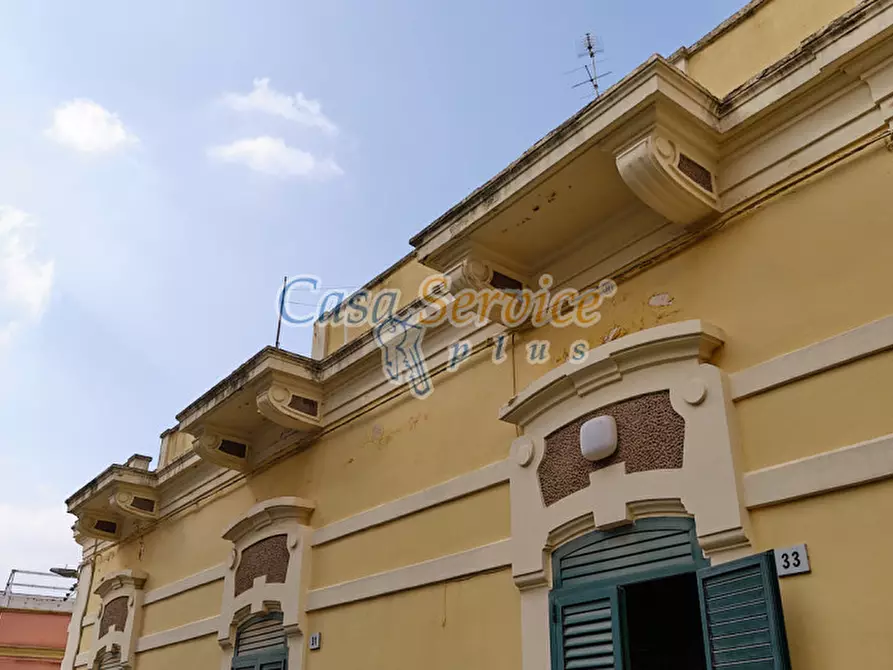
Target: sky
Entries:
(164, 164)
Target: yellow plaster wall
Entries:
(194, 605)
(469, 624)
(462, 524)
(86, 638)
(771, 279)
(838, 616)
(200, 654)
(406, 279)
(402, 447)
(774, 30)
(834, 409)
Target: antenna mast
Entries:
(590, 46)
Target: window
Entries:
(261, 644)
(644, 598)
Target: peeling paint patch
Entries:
(613, 334)
(661, 300)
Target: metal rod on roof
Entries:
(281, 308)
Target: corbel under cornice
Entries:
(280, 398)
(608, 363)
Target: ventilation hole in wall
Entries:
(505, 283)
(233, 448)
(106, 526)
(145, 504)
(304, 405)
(696, 172)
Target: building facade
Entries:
(34, 620)
(627, 404)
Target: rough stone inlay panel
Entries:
(114, 614)
(268, 557)
(650, 435)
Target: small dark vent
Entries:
(144, 504)
(233, 448)
(106, 526)
(696, 172)
(505, 283)
(304, 405)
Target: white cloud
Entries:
(271, 155)
(87, 126)
(25, 281)
(36, 537)
(295, 108)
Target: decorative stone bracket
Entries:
(672, 174)
(290, 405)
(269, 570)
(120, 615)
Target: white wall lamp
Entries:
(598, 438)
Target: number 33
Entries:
(790, 560)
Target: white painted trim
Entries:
(190, 631)
(473, 561)
(186, 584)
(76, 623)
(459, 487)
(847, 347)
(82, 659)
(833, 470)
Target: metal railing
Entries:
(60, 584)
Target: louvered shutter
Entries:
(586, 629)
(742, 616)
(261, 645)
(656, 547)
(110, 661)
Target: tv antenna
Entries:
(590, 46)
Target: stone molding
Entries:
(666, 358)
(127, 585)
(278, 516)
(674, 177)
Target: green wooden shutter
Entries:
(261, 644)
(742, 616)
(650, 548)
(586, 629)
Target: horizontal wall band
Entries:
(831, 471)
(852, 345)
(190, 631)
(459, 487)
(187, 584)
(26, 652)
(473, 561)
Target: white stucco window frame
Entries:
(287, 516)
(672, 358)
(123, 584)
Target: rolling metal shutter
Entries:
(741, 615)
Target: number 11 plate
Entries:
(791, 560)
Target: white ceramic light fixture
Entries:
(598, 438)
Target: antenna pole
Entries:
(281, 308)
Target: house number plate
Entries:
(791, 560)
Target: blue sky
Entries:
(164, 164)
